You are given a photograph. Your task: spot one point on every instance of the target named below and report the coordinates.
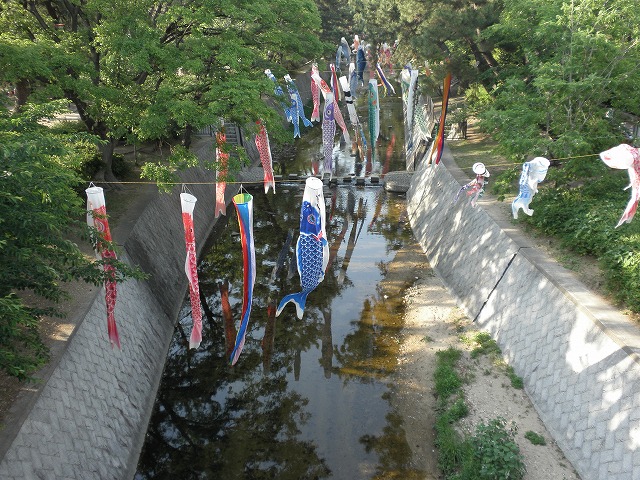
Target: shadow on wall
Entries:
(581, 379)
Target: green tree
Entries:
(564, 66)
(38, 209)
(337, 21)
(437, 31)
(149, 69)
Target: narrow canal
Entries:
(310, 398)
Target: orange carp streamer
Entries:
(221, 174)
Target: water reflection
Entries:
(308, 399)
(349, 160)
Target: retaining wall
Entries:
(578, 357)
(88, 421)
(88, 418)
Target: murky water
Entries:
(310, 398)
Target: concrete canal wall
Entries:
(88, 420)
(578, 357)
(88, 417)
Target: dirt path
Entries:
(433, 323)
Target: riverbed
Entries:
(308, 398)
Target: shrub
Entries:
(621, 266)
(580, 204)
(535, 438)
(496, 455)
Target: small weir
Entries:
(308, 398)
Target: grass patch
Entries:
(491, 452)
(447, 380)
(516, 381)
(482, 344)
(535, 438)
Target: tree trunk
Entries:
(186, 138)
(22, 92)
(106, 152)
(98, 128)
(484, 61)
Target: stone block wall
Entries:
(90, 417)
(578, 357)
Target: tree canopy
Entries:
(149, 70)
(139, 71)
(555, 71)
(563, 68)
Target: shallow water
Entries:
(307, 398)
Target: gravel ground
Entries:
(433, 323)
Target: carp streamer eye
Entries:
(311, 219)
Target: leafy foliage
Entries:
(39, 210)
(535, 438)
(496, 456)
(562, 68)
(155, 70)
(449, 35)
(582, 211)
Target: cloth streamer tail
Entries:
(188, 203)
(337, 114)
(244, 208)
(97, 219)
(439, 143)
(387, 86)
(298, 299)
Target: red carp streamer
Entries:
(262, 144)
(221, 174)
(97, 218)
(315, 93)
(188, 203)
